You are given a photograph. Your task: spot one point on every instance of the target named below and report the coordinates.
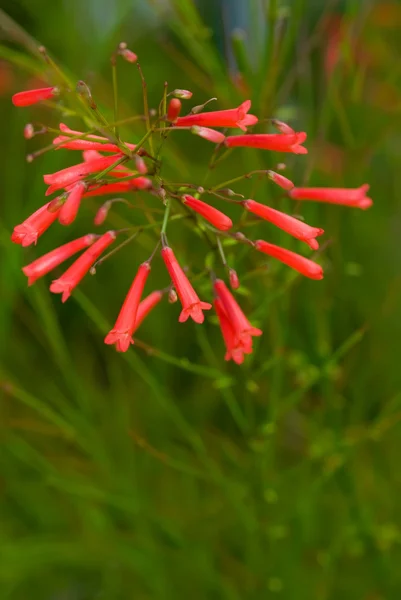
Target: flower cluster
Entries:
(111, 166)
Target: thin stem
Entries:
(221, 251)
(166, 217)
(164, 102)
(119, 161)
(146, 105)
(115, 92)
(235, 179)
(116, 249)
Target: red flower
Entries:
(120, 187)
(345, 196)
(146, 306)
(73, 275)
(233, 353)
(121, 334)
(69, 209)
(191, 305)
(33, 96)
(242, 328)
(279, 142)
(66, 177)
(233, 117)
(174, 109)
(211, 214)
(296, 261)
(28, 232)
(46, 263)
(208, 134)
(291, 225)
(280, 180)
(91, 142)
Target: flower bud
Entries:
(172, 296)
(128, 55)
(197, 109)
(234, 281)
(280, 180)
(183, 94)
(102, 213)
(282, 127)
(208, 134)
(140, 165)
(29, 131)
(174, 109)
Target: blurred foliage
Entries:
(165, 472)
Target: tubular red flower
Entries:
(280, 180)
(291, 225)
(233, 117)
(208, 134)
(191, 305)
(233, 353)
(69, 209)
(138, 183)
(70, 175)
(27, 233)
(91, 142)
(46, 263)
(243, 330)
(146, 306)
(174, 109)
(63, 141)
(211, 214)
(29, 97)
(346, 196)
(279, 142)
(121, 334)
(77, 271)
(295, 261)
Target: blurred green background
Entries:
(166, 472)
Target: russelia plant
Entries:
(112, 166)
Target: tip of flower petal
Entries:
(299, 150)
(28, 239)
(365, 203)
(17, 237)
(245, 106)
(312, 243)
(58, 287)
(184, 315)
(250, 120)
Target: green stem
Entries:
(166, 217)
(115, 250)
(146, 105)
(221, 251)
(235, 179)
(115, 93)
(119, 161)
